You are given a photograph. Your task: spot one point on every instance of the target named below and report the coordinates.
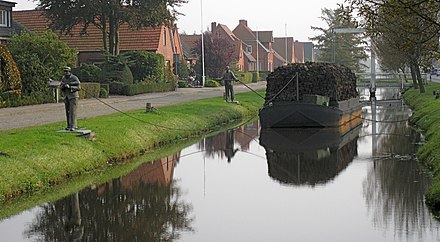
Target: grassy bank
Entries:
(426, 116)
(39, 157)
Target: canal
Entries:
(246, 184)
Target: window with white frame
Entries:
(5, 18)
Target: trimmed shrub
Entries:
(142, 87)
(89, 90)
(10, 76)
(13, 99)
(144, 64)
(116, 69)
(89, 73)
(255, 76)
(245, 77)
(103, 93)
(212, 83)
(182, 83)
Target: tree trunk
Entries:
(111, 36)
(420, 80)
(104, 31)
(116, 39)
(413, 75)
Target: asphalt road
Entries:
(27, 116)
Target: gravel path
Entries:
(26, 116)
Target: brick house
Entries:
(6, 29)
(259, 45)
(189, 42)
(223, 32)
(162, 40)
(285, 47)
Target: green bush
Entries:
(142, 87)
(13, 99)
(89, 90)
(10, 76)
(103, 93)
(255, 76)
(182, 83)
(89, 73)
(116, 69)
(39, 58)
(212, 83)
(144, 64)
(245, 77)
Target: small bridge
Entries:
(385, 85)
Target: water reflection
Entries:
(395, 185)
(144, 205)
(228, 143)
(308, 156)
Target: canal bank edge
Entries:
(426, 116)
(36, 158)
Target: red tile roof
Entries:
(143, 39)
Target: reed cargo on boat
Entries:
(311, 95)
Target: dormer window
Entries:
(5, 18)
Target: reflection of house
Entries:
(159, 171)
(6, 20)
(161, 40)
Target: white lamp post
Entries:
(203, 44)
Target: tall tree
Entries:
(218, 54)
(346, 49)
(408, 27)
(109, 15)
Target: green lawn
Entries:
(39, 157)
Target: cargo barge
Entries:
(311, 95)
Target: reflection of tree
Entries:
(394, 188)
(310, 167)
(142, 211)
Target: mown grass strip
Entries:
(426, 108)
(39, 157)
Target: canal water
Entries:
(248, 184)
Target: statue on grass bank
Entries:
(70, 85)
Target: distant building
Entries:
(304, 51)
(6, 29)
(285, 47)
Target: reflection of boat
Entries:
(308, 156)
(310, 95)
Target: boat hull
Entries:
(305, 115)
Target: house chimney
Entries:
(243, 22)
(213, 25)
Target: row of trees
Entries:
(405, 33)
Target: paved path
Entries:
(26, 116)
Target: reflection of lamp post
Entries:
(203, 44)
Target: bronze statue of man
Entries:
(228, 77)
(70, 86)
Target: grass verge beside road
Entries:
(426, 116)
(39, 157)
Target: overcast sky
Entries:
(284, 17)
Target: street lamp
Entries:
(203, 43)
